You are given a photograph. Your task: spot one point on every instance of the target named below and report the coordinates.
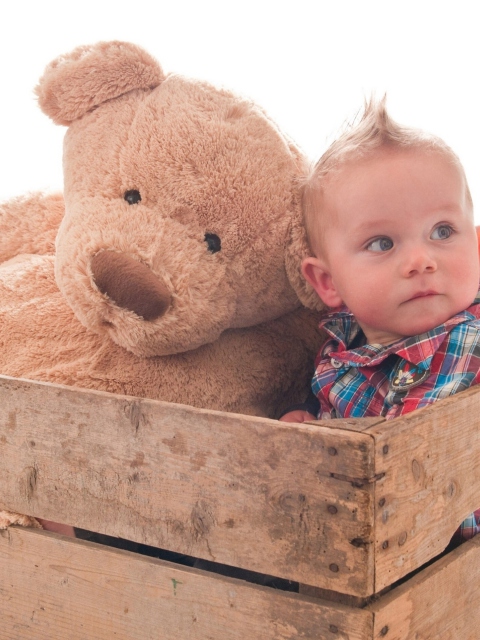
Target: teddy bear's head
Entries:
(182, 203)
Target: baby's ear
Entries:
(318, 276)
(78, 82)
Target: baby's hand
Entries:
(299, 415)
(64, 529)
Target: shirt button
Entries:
(336, 364)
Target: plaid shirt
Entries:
(389, 381)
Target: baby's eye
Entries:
(380, 244)
(442, 232)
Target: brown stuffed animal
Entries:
(171, 270)
(176, 268)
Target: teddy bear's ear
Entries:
(75, 83)
(296, 250)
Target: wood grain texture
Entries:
(52, 588)
(295, 501)
(351, 424)
(431, 465)
(442, 602)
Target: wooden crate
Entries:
(344, 507)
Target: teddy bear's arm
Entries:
(8, 518)
(29, 224)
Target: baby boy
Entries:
(389, 219)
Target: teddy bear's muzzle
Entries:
(130, 284)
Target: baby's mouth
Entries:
(424, 294)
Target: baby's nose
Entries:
(420, 260)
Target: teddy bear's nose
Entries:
(130, 284)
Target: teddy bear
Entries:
(170, 266)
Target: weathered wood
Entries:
(351, 424)
(295, 501)
(442, 602)
(431, 462)
(54, 588)
(334, 596)
(342, 506)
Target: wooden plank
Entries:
(334, 596)
(55, 588)
(351, 424)
(295, 501)
(442, 602)
(431, 465)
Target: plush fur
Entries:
(172, 269)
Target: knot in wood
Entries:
(417, 470)
(402, 538)
(133, 411)
(30, 482)
(451, 489)
(202, 519)
(292, 503)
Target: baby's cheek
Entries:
(371, 313)
(464, 281)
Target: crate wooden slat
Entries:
(442, 602)
(249, 492)
(56, 588)
(431, 462)
(53, 588)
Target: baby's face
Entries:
(401, 247)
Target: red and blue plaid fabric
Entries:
(353, 381)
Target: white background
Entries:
(309, 63)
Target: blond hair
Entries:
(374, 129)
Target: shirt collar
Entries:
(342, 327)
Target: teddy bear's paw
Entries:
(29, 224)
(8, 518)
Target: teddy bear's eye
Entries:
(132, 197)
(213, 242)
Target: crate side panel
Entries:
(431, 461)
(440, 602)
(53, 587)
(286, 500)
